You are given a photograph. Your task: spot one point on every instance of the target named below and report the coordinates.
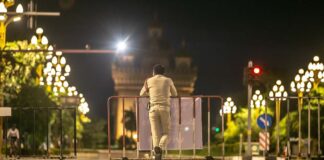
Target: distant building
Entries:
(130, 70)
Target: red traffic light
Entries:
(257, 70)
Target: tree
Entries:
(29, 115)
(239, 125)
(94, 135)
(16, 69)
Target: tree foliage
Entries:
(18, 68)
(240, 124)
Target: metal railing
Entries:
(21, 111)
(310, 101)
(136, 99)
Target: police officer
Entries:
(159, 88)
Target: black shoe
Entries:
(158, 153)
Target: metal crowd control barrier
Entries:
(298, 101)
(316, 101)
(136, 99)
(36, 110)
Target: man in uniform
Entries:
(159, 88)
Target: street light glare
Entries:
(3, 8)
(316, 58)
(2, 17)
(44, 40)
(34, 40)
(19, 9)
(16, 19)
(39, 31)
(121, 46)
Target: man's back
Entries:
(160, 89)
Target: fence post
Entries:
(288, 128)
(194, 126)
(137, 126)
(108, 128)
(124, 142)
(179, 130)
(309, 131)
(208, 126)
(47, 132)
(75, 130)
(319, 127)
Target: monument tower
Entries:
(130, 70)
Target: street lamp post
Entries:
(258, 100)
(229, 109)
(315, 72)
(55, 73)
(6, 19)
(315, 75)
(278, 94)
(300, 86)
(40, 42)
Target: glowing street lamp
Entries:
(40, 42)
(300, 85)
(258, 100)
(84, 106)
(121, 46)
(55, 73)
(315, 71)
(6, 19)
(229, 108)
(278, 94)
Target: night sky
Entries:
(222, 35)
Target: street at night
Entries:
(158, 79)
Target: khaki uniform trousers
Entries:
(159, 116)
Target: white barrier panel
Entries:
(186, 129)
(5, 111)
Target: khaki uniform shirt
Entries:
(160, 88)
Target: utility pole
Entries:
(249, 97)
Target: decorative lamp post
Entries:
(55, 73)
(83, 107)
(315, 72)
(258, 100)
(315, 75)
(6, 19)
(300, 85)
(278, 94)
(229, 108)
(40, 42)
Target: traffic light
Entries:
(216, 129)
(252, 73)
(255, 72)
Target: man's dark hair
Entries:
(158, 69)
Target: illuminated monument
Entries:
(130, 70)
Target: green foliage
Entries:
(17, 68)
(239, 125)
(94, 135)
(28, 120)
(130, 120)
